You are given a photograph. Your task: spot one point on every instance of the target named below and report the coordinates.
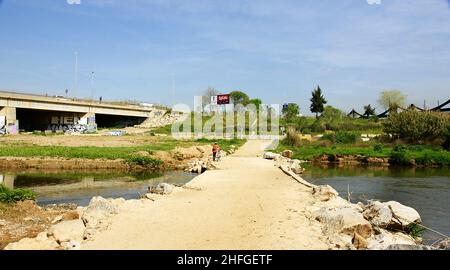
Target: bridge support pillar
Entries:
(89, 120)
(9, 117)
(7, 180)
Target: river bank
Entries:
(127, 153)
(247, 203)
(367, 153)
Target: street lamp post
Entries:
(92, 85)
(76, 73)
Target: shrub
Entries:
(400, 158)
(144, 161)
(306, 131)
(446, 144)
(433, 158)
(318, 127)
(378, 147)
(331, 114)
(329, 137)
(343, 137)
(416, 126)
(15, 195)
(292, 137)
(400, 148)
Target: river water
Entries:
(425, 189)
(80, 187)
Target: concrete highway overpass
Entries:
(30, 112)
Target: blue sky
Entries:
(276, 50)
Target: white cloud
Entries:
(74, 2)
(374, 2)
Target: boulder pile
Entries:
(377, 225)
(284, 160)
(71, 229)
(165, 120)
(201, 165)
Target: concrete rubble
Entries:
(165, 120)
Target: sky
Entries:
(167, 51)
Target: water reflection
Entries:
(80, 187)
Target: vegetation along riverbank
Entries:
(406, 138)
(133, 152)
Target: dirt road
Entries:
(247, 204)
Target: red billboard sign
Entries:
(223, 99)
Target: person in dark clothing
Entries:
(215, 151)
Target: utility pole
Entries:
(173, 89)
(92, 86)
(76, 72)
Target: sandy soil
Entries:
(24, 219)
(247, 204)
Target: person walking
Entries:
(215, 150)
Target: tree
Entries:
(417, 126)
(331, 114)
(317, 101)
(210, 92)
(256, 101)
(368, 111)
(291, 110)
(239, 97)
(392, 99)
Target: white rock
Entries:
(270, 155)
(325, 193)
(57, 219)
(98, 213)
(66, 231)
(71, 245)
(118, 202)
(163, 189)
(378, 214)
(444, 244)
(403, 214)
(41, 242)
(343, 220)
(340, 241)
(385, 239)
(287, 153)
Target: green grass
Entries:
(111, 153)
(415, 230)
(419, 155)
(92, 152)
(308, 152)
(15, 195)
(144, 161)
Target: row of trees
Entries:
(389, 100)
(238, 97)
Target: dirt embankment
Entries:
(27, 220)
(352, 160)
(174, 159)
(95, 140)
